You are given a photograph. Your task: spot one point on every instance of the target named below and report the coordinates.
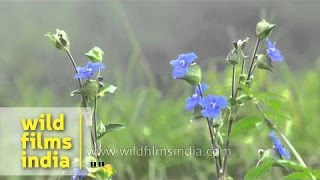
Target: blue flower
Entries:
(181, 64)
(273, 53)
(194, 100)
(277, 145)
(212, 106)
(79, 174)
(89, 70)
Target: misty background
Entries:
(157, 30)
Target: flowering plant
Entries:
(91, 90)
(218, 110)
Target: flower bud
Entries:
(263, 29)
(240, 44)
(235, 56)
(193, 75)
(60, 39)
(95, 54)
(263, 62)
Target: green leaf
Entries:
(297, 176)
(106, 89)
(259, 172)
(244, 125)
(292, 165)
(104, 129)
(95, 54)
(193, 76)
(316, 173)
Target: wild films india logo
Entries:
(38, 141)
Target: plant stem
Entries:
(95, 124)
(230, 119)
(94, 117)
(74, 66)
(233, 110)
(233, 81)
(93, 134)
(76, 71)
(214, 144)
(241, 72)
(253, 58)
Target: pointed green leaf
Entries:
(107, 89)
(297, 176)
(259, 172)
(292, 165)
(103, 129)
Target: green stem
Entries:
(93, 135)
(253, 58)
(76, 71)
(74, 66)
(241, 72)
(94, 117)
(95, 125)
(233, 81)
(230, 120)
(214, 144)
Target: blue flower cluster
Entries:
(89, 70)
(181, 64)
(277, 145)
(211, 105)
(273, 53)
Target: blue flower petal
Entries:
(210, 114)
(283, 152)
(89, 70)
(181, 64)
(222, 101)
(95, 66)
(192, 102)
(273, 53)
(188, 57)
(212, 106)
(179, 72)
